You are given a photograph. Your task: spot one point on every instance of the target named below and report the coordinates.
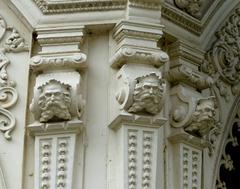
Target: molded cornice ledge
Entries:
(137, 43)
(59, 49)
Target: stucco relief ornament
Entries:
(14, 42)
(203, 118)
(192, 7)
(54, 101)
(2, 27)
(147, 95)
(8, 97)
(224, 56)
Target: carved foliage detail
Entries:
(193, 7)
(224, 56)
(14, 42)
(8, 97)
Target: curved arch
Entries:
(235, 110)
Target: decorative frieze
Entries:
(64, 6)
(191, 7)
(146, 4)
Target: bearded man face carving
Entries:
(147, 95)
(54, 101)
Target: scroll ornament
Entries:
(223, 59)
(8, 97)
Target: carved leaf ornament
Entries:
(224, 57)
(8, 97)
(8, 94)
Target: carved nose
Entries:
(151, 90)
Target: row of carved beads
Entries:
(61, 168)
(132, 159)
(147, 154)
(45, 161)
(185, 167)
(195, 162)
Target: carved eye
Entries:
(146, 86)
(57, 94)
(48, 94)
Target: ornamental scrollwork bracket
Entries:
(8, 97)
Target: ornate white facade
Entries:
(119, 94)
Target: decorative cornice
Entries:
(174, 15)
(182, 51)
(65, 6)
(131, 119)
(74, 61)
(60, 34)
(137, 30)
(137, 55)
(188, 22)
(147, 4)
(74, 126)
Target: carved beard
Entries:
(201, 124)
(144, 100)
(54, 109)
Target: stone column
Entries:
(135, 157)
(193, 117)
(57, 106)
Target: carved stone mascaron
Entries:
(57, 97)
